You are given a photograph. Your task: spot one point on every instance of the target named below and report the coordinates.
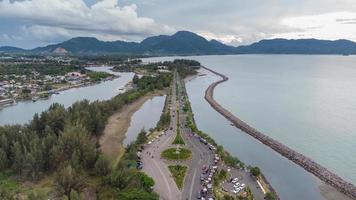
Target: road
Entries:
(154, 166)
(157, 168)
(201, 155)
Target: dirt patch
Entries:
(116, 128)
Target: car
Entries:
(242, 185)
(199, 195)
(237, 184)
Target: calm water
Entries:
(145, 118)
(306, 102)
(22, 112)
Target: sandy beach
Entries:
(116, 128)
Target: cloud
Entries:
(330, 26)
(225, 38)
(105, 19)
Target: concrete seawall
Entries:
(303, 161)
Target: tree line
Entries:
(65, 141)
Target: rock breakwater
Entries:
(308, 164)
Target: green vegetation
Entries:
(176, 154)
(63, 144)
(178, 139)
(178, 172)
(53, 69)
(125, 181)
(255, 171)
(164, 121)
(270, 196)
(97, 76)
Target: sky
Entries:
(32, 23)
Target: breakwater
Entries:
(308, 164)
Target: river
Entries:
(23, 111)
(145, 118)
(305, 102)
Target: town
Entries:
(31, 78)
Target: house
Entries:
(162, 67)
(74, 76)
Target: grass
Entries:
(176, 154)
(38, 190)
(178, 139)
(178, 172)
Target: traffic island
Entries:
(178, 139)
(176, 154)
(178, 172)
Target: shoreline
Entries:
(111, 142)
(55, 91)
(306, 163)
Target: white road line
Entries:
(263, 190)
(192, 184)
(164, 177)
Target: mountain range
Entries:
(188, 43)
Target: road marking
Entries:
(192, 184)
(164, 177)
(263, 190)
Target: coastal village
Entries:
(22, 86)
(36, 84)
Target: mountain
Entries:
(181, 43)
(8, 49)
(299, 46)
(188, 43)
(184, 43)
(88, 45)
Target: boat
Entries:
(6, 101)
(34, 99)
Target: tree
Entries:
(255, 171)
(74, 144)
(18, 157)
(270, 196)
(3, 160)
(135, 79)
(146, 181)
(67, 180)
(102, 166)
(135, 194)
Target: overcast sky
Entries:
(31, 23)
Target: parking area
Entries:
(239, 180)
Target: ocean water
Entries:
(305, 102)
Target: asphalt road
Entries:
(156, 167)
(201, 155)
